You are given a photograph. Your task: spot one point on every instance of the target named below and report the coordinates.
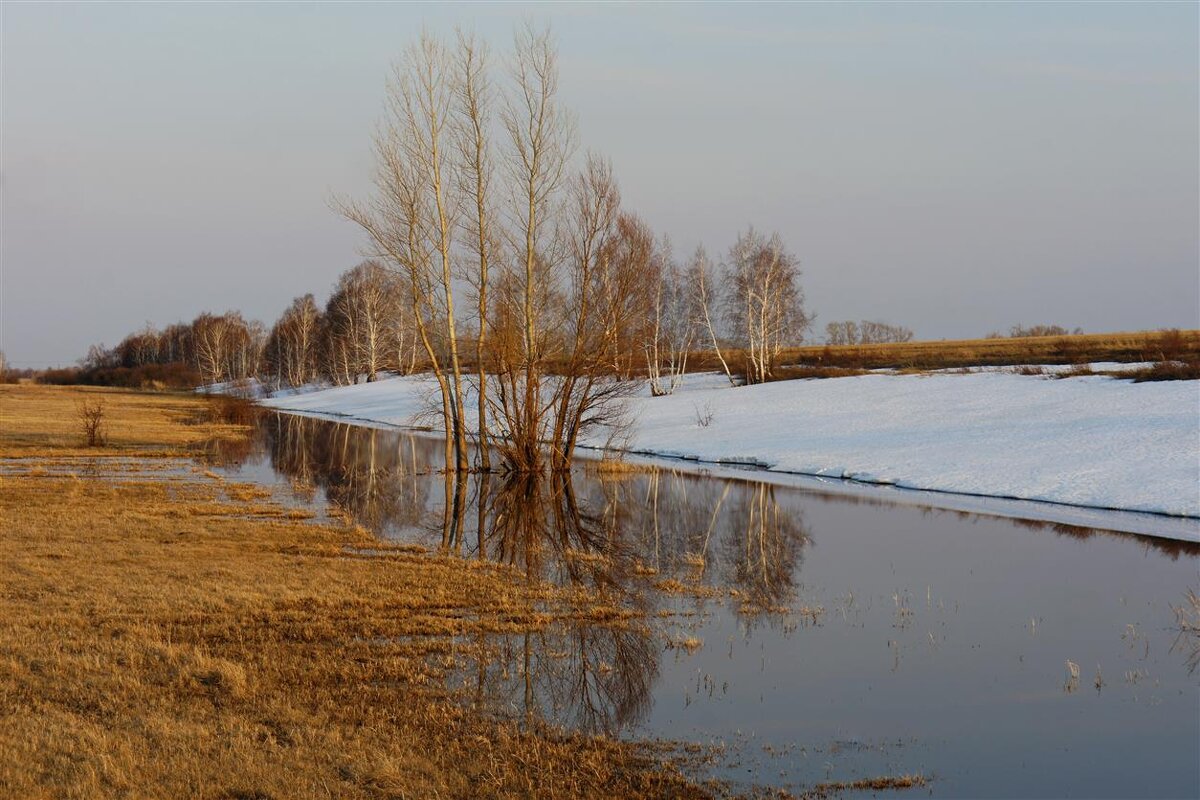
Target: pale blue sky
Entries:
(954, 168)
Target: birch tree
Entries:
(765, 305)
(706, 304)
(411, 220)
(473, 122)
(293, 346)
(540, 137)
(672, 331)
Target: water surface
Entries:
(809, 637)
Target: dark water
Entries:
(810, 637)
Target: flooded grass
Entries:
(176, 638)
(822, 791)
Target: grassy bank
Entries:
(1183, 346)
(1176, 348)
(164, 633)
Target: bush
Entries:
(67, 376)
(1171, 345)
(91, 422)
(175, 375)
(1168, 371)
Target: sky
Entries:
(955, 168)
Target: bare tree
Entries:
(541, 138)
(596, 306)
(428, 98)
(673, 330)
(706, 303)
(633, 249)
(292, 350)
(865, 332)
(360, 322)
(412, 218)
(474, 98)
(561, 297)
(840, 333)
(765, 304)
(91, 422)
(226, 347)
(175, 343)
(211, 334)
(872, 332)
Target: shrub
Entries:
(91, 422)
(175, 375)
(1171, 345)
(1168, 371)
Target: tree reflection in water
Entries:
(619, 539)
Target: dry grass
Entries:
(1166, 371)
(615, 467)
(886, 783)
(43, 421)
(187, 638)
(826, 361)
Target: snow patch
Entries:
(1090, 442)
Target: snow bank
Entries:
(1094, 442)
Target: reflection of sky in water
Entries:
(940, 645)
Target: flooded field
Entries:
(799, 637)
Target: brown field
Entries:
(167, 634)
(826, 361)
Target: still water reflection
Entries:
(811, 637)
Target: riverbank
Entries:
(167, 633)
(1078, 446)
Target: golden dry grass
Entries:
(43, 421)
(832, 361)
(186, 637)
(822, 791)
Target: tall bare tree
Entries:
(411, 221)
(540, 141)
(474, 99)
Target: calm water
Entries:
(810, 637)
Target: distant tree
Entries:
(764, 306)
(871, 332)
(1019, 331)
(139, 348)
(226, 347)
(99, 357)
(838, 333)
(674, 324)
(293, 346)
(865, 332)
(175, 343)
(705, 300)
(360, 322)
